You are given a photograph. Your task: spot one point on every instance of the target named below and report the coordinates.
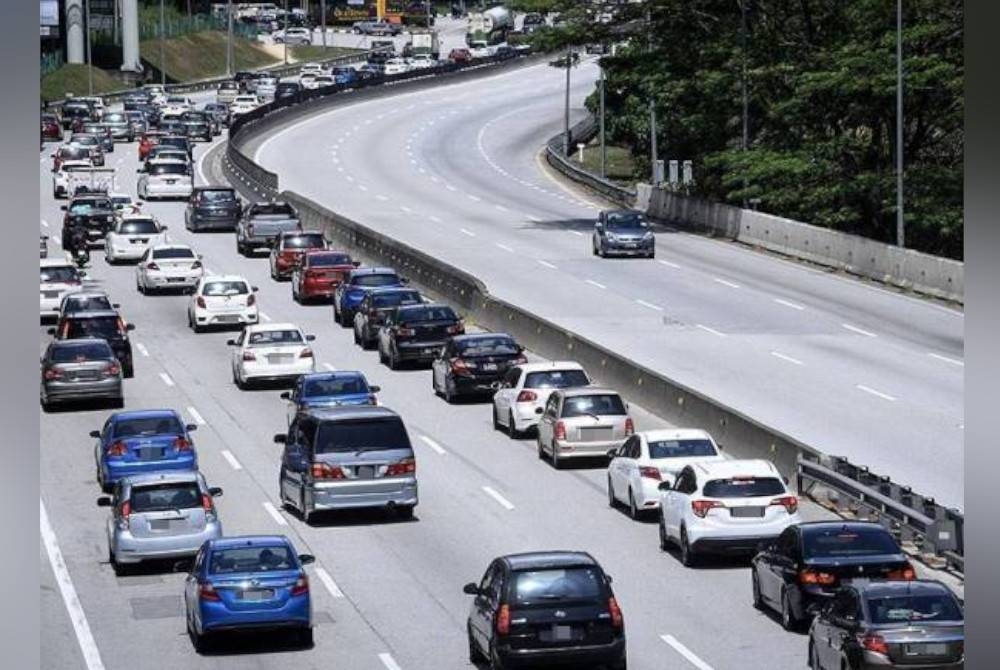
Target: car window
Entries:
(173, 253)
(428, 313)
(157, 169)
(361, 435)
(216, 196)
(334, 386)
(369, 280)
(544, 587)
(397, 298)
(140, 227)
(845, 604)
(685, 448)
(93, 302)
(687, 483)
(272, 209)
(744, 487)
(251, 559)
(218, 288)
(145, 426)
(304, 241)
(788, 544)
(328, 260)
(848, 541)
(265, 338)
(95, 326)
(556, 379)
(625, 221)
(59, 273)
(80, 353)
(487, 346)
(911, 608)
(603, 404)
(165, 497)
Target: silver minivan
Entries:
(583, 422)
(347, 458)
(158, 516)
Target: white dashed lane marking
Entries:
(228, 455)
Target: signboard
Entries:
(49, 13)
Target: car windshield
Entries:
(60, 273)
(86, 304)
(146, 426)
(556, 379)
(140, 227)
(328, 260)
(626, 221)
(167, 169)
(375, 280)
(87, 206)
(429, 313)
(912, 607)
(217, 196)
(225, 288)
(314, 241)
(600, 404)
(179, 142)
(334, 386)
(846, 541)
(251, 559)
(73, 153)
(487, 346)
(395, 299)
(681, 448)
(92, 351)
(165, 497)
(114, 117)
(172, 253)
(538, 587)
(265, 338)
(92, 326)
(744, 487)
(84, 140)
(361, 435)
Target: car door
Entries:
(676, 498)
(782, 566)
(191, 583)
(547, 422)
(440, 365)
(237, 350)
(295, 462)
(628, 468)
(292, 409)
(615, 469)
(508, 391)
(485, 605)
(832, 625)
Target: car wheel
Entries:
(357, 339)
(813, 658)
(557, 462)
(788, 620)
(449, 395)
(121, 569)
(236, 380)
(621, 664)
(496, 419)
(612, 501)
(200, 641)
(601, 252)
(593, 249)
(633, 511)
(664, 538)
(651, 254)
(541, 450)
(306, 513)
(758, 600)
(274, 275)
(295, 295)
(512, 430)
(197, 328)
(129, 370)
(393, 360)
(475, 655)
(495, 662)
(305, 637)
(381, 359)
(138, 286)
(687, 556)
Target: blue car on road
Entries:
(141, 442)
(351, 291)
(329, 389)
(248, 583)
(344, 75)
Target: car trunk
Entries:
(599, 428)
(226, 303)
(178, 265)
(83, 371)
(164, 522)
(256, 591)
(368, 465)
(560, 625)
(926, 643)
(277, 354)
(147, 449)
(271, 226)
(428, 331)
(857, 567)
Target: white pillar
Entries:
(130, 36)
(74, 32)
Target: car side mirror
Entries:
(95, 433)
(129, 326)
(215, 491)
(310, 338)
(164, 227)
(255, 289)
(665, 486)
(190, 427)
(719, 446)
(539, 411)
(231, 343)
(281, 438)
(285, 395)
(471, 589)
(116, 305)
(612, 452)
(82, 273)
(104, 501)
(609, 578)
(51, 331)
(784, 479)
(63, 207)
(356, 264)
(374, 388)
(404, 280)
(306, 559)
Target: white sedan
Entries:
(271, 352)
(131, 236)
(176, 104)
(653, 456)
(168, 266)
(243, 104)
(222, 300)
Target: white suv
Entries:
(525, 388)
(725, 506)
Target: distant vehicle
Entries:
(374, 308)
(395, 66)
(86, 301)
(351, 291)
(137, 123)
(57, 277)
(288, 89)
(93, 143)
(94, 212)
(119, 127)
(212, 208)
(417, 333)
(243, 104)
(525, 388)
(149, 139)
(622, 232)
(165, 179)
(423, 43)
(266, 87)
(271, 352)
(583, 422)
(246, 81)
(474, 364)
(311, 68)
(69, 152)
(219, 112)
(51, 128)
(460, 55)
(377, 28)
(168, 267)
(262, 222)
(319, 273)
(488, 27)
(77, 176)
(227, 92)
(292, 36)
(223, 300)
(75, 110)
(142, 442)
(82, 369)
(329, 389)
(131, 236)
(289, 248)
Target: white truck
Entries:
(488, 28)
(78, 176)
(423, 44)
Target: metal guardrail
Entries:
(925, 528)
(584, 132)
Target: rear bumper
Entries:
(262, 371)
(169, 191)
(214, 222)
(420, 351)
(586, 449)
(367, 493)
(204, 318)
(130, 549)
(474, 385)
(62, 391)
(743, 544)
(159, 280)
(872, 661)
(296, 613)
(570, 656)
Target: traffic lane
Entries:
(58, 626)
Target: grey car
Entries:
(347, 458)
(623, 232)
(137, 122)
(581, 423)
(158, 516)
(80, 369)
(118, 124)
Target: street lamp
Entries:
(284, 36)
(652, 103)
(900, 237)
(163, 65)
(90, 60)
(229, 38)
(322, 11)
(569, 66)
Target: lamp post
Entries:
(229, 38)
(652, 103)
(604, 149)
(163, 66)
(284, 36)
(569, 66)
(745, 141)
(90, 62)
(322, 11)
(900, 230)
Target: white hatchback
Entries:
(131, 236)
(525, 388)
(168, 266)
(653, 456)
(222, 300)
(728, 506)
(166, 178)
(271, 352)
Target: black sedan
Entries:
(474, 364)
(417, 333)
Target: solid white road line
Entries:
(725, 282)
(467, 232)
(166, 379)
(388, 661)
(594, 283)
(45, 223)
(855, 329)
(228, 455)
(474, 198)
(275, 514)
(649, 305)
(531, 218)
(789, 304)
(91, 655)
(362, 187)
(198, 418)
(433, 445)
(577, 233)
(867, 389)
(435, 219)
(349, 178)
(778, 354)
(548, 265)
(491, 492)
(329, 367)
(505, 247)
(709, 330)
(685, 652)
(328, 582)
(501, 208)
(953, 361)
(670, 265)
(142, 349)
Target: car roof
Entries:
(842, 525)
(87, 295)
(351, 413)
(128, 415)
(550, 365)
(264, 327)
(548, 559)
(334, 374)
(170, 245)
(674, 434)
(233, 541)
(373, 271)
(752, 467)
(213, 278)
(79, 342)
(580, 391)
(220, 187)
(381, 290)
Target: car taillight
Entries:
(306, 353)
(182, 444)
(560, 432)
(372, 399)
(617, 620)
(458, 365)
(527, 396)
(814, 577)
(410, 332)
(251, 300)
(200, 301)
(249, 356)
(324, 471)
(629, 426)
(649, 472)
(117, 449)
(407, 466)
(207, 592)
(121, 325)
(906, 573)
(206, 504)
(301, 586)
(701, 507)
(503, 620)
(112, 370)
(53, 373)
(875, 642)
(790, 503)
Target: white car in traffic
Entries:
(242, 105)
(271, 352)
(57, 278)
(123, 204)
(62, 177)
(176, 104)
(165, 178)
(168, 267)
(396, 66)
(222, 300)
(650, 457)
(421, 62)
(131, 235)
(724, 507)
(310, 68)
(518, 402)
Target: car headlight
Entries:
(648, 235)
(611, 237)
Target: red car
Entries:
(319, 274)
(51, 128)
(460, 56)
(288, 250)
(147, 142)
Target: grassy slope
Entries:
(203, 55)
(73, 79)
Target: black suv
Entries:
(417, 333)
(95, 212)
(212, 208)
(551, 607)
(288, 89)
(105, 324)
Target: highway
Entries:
(845, 366)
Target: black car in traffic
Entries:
(373, 309)
(212, 208)
(94, 212)
(104, 324)
(288, 89)
(474, 364)
(549, 608)
(417, 333)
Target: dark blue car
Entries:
(352, 290)
(248, 583)
(329, 389)
(344, 75)
(140, 442)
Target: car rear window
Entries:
(165, 497)
(89, 303)
(268, 337)
(94, 326)
(146, 426)
(167, 169)
(121, 200)
(89, 205)
(428, 313)
(225, 288)
(833, 542)
(172, 253)
(375, 280)
(542, 587)
(681, 448)
(328, 260)
(217, 196)
(95, 351)
(334, 386)
(744, 487)
(487, 346)
(60, 273)
(556, 379)
(394, 299)
(361, 435)
(251, 559)
(912, 608)
(143, 227)
(312, 241)
(272, 210)
(601, 404)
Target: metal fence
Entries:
(183, 25)
(584, 131)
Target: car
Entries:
(57, 277)
(395, 66)
(271, 352)
(288, 248)
(222, 300)
(800, 569)
(93, 211)
(86, 301)
(43, 246)
(106, 324)
(70, 152)
(288, 89)
(137, 121)
(165, 179)
(123, 204)
(310, 68)
(518, 616)
(198, 130)
(91, 142)
(243, 104)
(118, 126)
(246, 81)
(649, 457)
(460, 55)
(51, 128)
(622, 232)
(347, 458)
(525, 388)
(329, 389)
(349, 293)
(417, 333)
(131, 236)
(156, 516)
(156, 93)
(725, 507)
(318, 274)
(80, 370)
(73, 111)
(474, 364)
(96, 103)
(308, 81)
(292, 36)
(323, 81)
(202, 116)
(873, 625)
(248, 583)
(179, 142)
(344, 76)
(143, 441)
(67, 171)
(168, 267)
(165, 152)
(371, 70)
(373, 309)
(147, 141)
(481, 51)
(584, 422)
(212, 208)
(267, 87)
(226, 92)
(177, 104)
(262, 222)
(421, 62)
(219, 113)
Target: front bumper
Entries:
(629, 248)
(214, 221)
(128, 548)
(366, 493)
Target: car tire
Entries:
(512, 430)
(305, 637)
(393, 360)
(295, 295)
(274, 275)
(541, 450)
(813, 660)
(236, 380)
(612, 501)
(307, 514)
(601, 252)
(758, 599)
(449, 395)
(496, 419)
(200, 641)
(634, 512)
(494, 659)
(404, 512)
(121, 569)
(475, 655)
(664, 538)
(621, 664)
(557, 462)
(139, 287)
(118, 402)
(382, 360)
(593, 249)
(688, 558)
(788, 620)
(129, 370)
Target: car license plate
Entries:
(490, 367)
(227, 318)
(279, 359)
(175, 279)
(365, 472)
(631, 245)
(50, 294)
(749, 511)
(164, 524)
(927, 649)
(171, 181)
(562, 633)
(150, 453)
(256, 594)
(430, 350)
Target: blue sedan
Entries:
(252, 582)
(140, 442)
(350, 292)
(329, 389)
